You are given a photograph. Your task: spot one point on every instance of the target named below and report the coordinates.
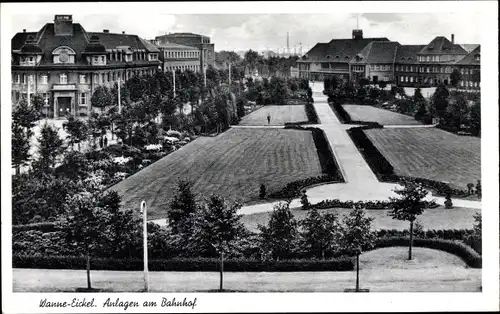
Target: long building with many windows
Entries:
(379, 59)
(64, 63)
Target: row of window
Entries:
(434, 69)
(428, 58)
(182, 54)
(183, 68)
(420, 79)
(83, 78)
(470, 84)
(376, 67)
(467, 71)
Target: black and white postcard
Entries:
(249, 156)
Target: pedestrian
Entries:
(101, 142)
(105, 141)
(268, 119)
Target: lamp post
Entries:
(145, 240)
(119, 96)
(46, 101)
(173, 80)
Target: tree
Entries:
(217, 225)
(181, 207)
(448, 204)
(320, 232)
(409, 205)
(20, 146)
(280, 235)
(420, 105)
(457, 113)
(470, 188)
(86, 225)
(77, 130)
(382, 84)
(304, 201)
(50, 146)
(439, 102)
(455, 77)
(102, 97)
(25, 116)
(475, 119)
(357, 235)
(475, 239)
(478, 189)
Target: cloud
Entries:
(260, 31)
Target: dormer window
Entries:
(403, 58)
(328, 57)
(63, 55)
(477, 57)
(337, 57)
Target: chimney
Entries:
(105, 30)
(63, 25)
(123, 32)
(357, 34)
(453, 39)
(24, 30)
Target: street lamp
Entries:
(145, 244)
(46, 101)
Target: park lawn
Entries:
(279, 115)
(436, 218)
(233, 164)
(382, 116)
(430, 153)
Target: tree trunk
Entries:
(357, 273)
(88, 272)
(221, 271)
(323, 254)
(411, 240)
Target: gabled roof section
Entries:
(470, 59)
(112, 41)
(408, 53)
(469, 47)
(317, 53)
(377, 52)
(149, 46)
(441, 45)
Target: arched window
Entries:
(63, 54)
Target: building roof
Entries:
(183, 35)
(469, 47)
(470, 58)
(339, 50)
(441, 45)
(44, 41)
(408, 53)
(377, 52)
(168, 45)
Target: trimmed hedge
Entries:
(445, 234)
(312, 116)
(460, 249)
(340, 112)
(384, 170)
(182, 264)
(336, 203)
(294, 188)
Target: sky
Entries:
(269, 31)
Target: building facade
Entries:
(378, 59)
(201, 42)
(179, 57)
(65, 64)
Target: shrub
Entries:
(173, 133)
(448, 204)
(182, 264)
(262, 191)
(465, 252)
(340, 112)
(293, 188)
(312, 116)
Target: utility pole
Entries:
(29, 100)
(119, 96)
(229, 74)
(173, 80)
(204, 76)
(145, 244)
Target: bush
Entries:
(340, 112)
(312, 116)
(444, 234)
(173, 133)
(182, 264)
(465, 252)
(262, 191)
(293, 188)
(448, 204)
(42, 226)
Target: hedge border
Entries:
(182, 264)
(378, 205)
(385, 171)
(460, 249)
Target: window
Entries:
(102, 59)
(24, 78)
(83, 98)
(18, 78)
(96, 78)
(63, 78)
(411, 69)
(411, 79)
(43, 79)
(83, 79)
(428, 70)
(401, 78)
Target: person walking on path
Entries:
(105, 141)
(268, 119)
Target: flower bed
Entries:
(336, 203)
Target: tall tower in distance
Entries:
(287, 42)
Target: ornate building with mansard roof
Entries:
(64, 63)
